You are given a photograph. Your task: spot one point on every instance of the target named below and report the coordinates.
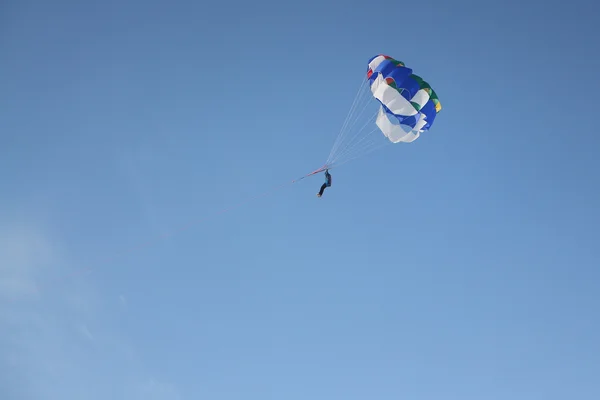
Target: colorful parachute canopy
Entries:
(408, 104)
(391, 100)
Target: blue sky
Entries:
(461, 266)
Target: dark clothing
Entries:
(326, 184)
(323, 186)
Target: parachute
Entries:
(405, 107)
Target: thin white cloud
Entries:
(83, 329)
(25, 255)
(134, 166)
(42, 354)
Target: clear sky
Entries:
(462, 266)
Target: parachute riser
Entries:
(323, 168)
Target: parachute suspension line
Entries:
(358, 98)
(369, 148)
(356, 137)
(355, 141)
(349, 133)
(358, 145)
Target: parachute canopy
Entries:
(408, 103)
(403, 106)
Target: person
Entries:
(326, 184)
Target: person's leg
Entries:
(323, 186)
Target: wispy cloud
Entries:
(59, 344)
(134, 166)
(83, 329)
(24, 253)
(123, 300)
(34, 345)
